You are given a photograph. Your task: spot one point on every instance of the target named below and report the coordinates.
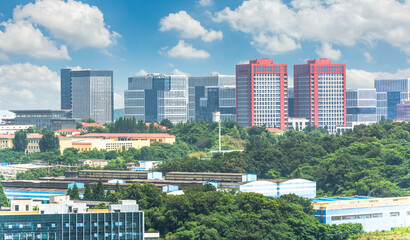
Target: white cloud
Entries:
(142, 72)
(205, 3)
(74, 22)
(362, 79)
(184, 50)
(368, 56)
(179, 72)
(272, 23)
(327, 51)
(23, 38)
(118, 101)
(29, 86)
(188, 27)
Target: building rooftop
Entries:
(85, 124)
(131, 135)
(343, 198)
(68, 130)
(359, 202)
(275, 130)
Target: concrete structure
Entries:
(391, 92)
(70, 220)
(403, 111)
(88, 93)
(320, 93)
(155, 97)
(375, 214)
(41, 195)
(279, 187)
(13, 128)
(361, 106)
(298, 123)
(262, 94)
(23, 204)
(212, 93)
(93, 162)
(51, 119)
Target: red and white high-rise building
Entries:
(262, 94)
(320, 93)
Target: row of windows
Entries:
(364, 216)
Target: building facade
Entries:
(298, 123)
(69, 220)
(207, 94)
(88, 93)
(51, 119)
(155, 97)
(320, 93)
(390, 92)
(262, 94)
(13, 128)
(375, 214)
(403, 111)
(361, 106)
(291, 105)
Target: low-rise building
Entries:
(70, 220)
(6, 141)
(375, 214)
(298, 123)
(93, 162)
(68, 132)
(143, 166)
(279, 187)
(86, 126)
(51, 119)
(13, 128)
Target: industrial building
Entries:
(375, 214)
(278, 187)
(50, 119)
(70, 220)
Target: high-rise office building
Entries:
(155, 97)
(69, 220)
(403, 111)
(361, 106)
(320, 93)
(390, 92)
(212, 93)
(262, 93)
(88, 94)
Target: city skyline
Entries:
(218, 36)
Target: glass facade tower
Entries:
(391, 92)
(361, 106)
(155, 97)
(211, 93)
(88, 94)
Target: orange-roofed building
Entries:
(162, 128)
(68, 132)
(275, 131)
(88, 125)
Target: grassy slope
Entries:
(396, 234)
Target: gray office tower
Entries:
(291, 102)
(212, 93)
(88, 94)
(361, 106)
(155, 97)
(390, 92)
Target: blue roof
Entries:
(331, 199)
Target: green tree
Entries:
(88, 194)
(74, 193)
(4, 202)
(20, 141)
(49, 142)
(101, 205)
(167, 123)
(98, 191)
(117, 187)
(89, 120)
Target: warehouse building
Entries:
(278, 187)
(375, 214)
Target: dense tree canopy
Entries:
(20, 141)
(49, 142)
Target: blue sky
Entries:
(38, 38)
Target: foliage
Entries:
(20, 141)
(35, 174)
(4, 202)
(101, 205)
(88, 193)
(166, 123)
(371, 160)
(73, 192)
(395, 233)
(89, 120)
(49, 142)
(98, 191)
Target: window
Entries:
(27, 207)
(394, 214)
(38, 225)
(16, 208)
